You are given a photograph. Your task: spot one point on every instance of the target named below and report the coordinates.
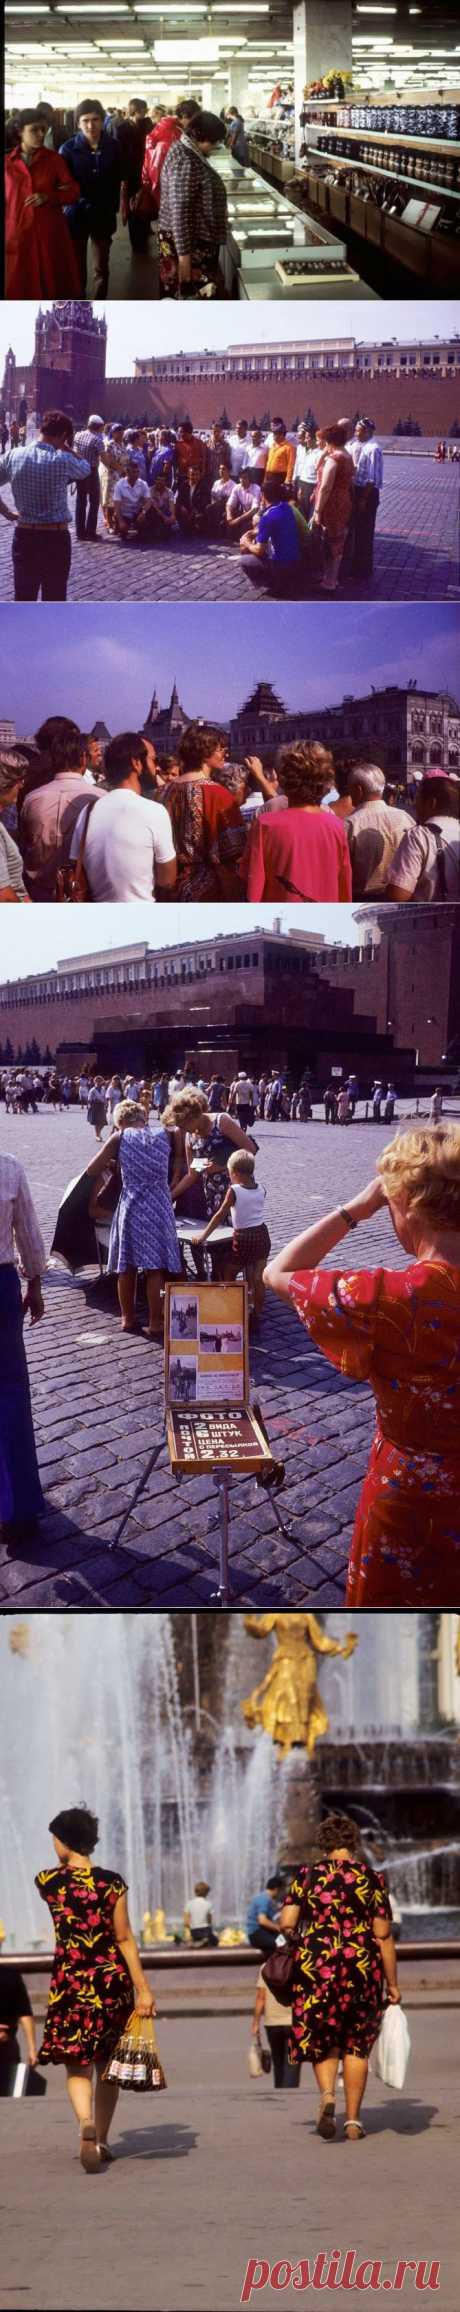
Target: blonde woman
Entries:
(399, 1329)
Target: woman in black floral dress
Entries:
(341, 1915)
(97, 1976)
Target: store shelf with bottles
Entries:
(392, 182)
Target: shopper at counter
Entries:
(193, 213)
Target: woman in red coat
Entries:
(41, 257)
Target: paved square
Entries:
(98, 1409)
(221, 2169)
(416, 552)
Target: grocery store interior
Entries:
(352, 115)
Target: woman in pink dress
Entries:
(399, 1329)
(333, 498)
(41, 258)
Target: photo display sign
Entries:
(208, 1414)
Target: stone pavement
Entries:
(416, 552)
(223, 2171)
(98, 1411)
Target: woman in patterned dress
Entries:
(400, 1330)
(97, 1976)
(143, 1232)
(340, 1914)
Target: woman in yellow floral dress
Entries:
(97, 1976)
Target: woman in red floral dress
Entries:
(400, 1330)
(341, 1916)
(97, 1976)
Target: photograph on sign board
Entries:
(183, 1380)
(183, 1319)
(221, 1340)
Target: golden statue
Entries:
(287, 1704)
(19, 1639)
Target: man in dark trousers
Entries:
(94, 158)
(89, 444)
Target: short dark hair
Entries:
(197, 743)
(29, 116)
(186, 108)
(207, 128)
(121, 754)
(138, 104)
(339, 1830)
(61, 742)
(77, 1828)
(276, 1880)
(274, 489)
(90, 104)
(58, 425)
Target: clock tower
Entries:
(68, 370)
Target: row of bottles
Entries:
(443, 172)
(422, 121)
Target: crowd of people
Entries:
(71, 178)
(300, 507)
(83, 823)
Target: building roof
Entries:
(263, 700)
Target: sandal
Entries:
(106, 2154)
(326, 2122)
(356, 2123)
(89, 2151)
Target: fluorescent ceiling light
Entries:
(206, 51)
(26, 11)
(189, 8)
(241, 8)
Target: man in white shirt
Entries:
(255, 456)
(427, 863)
(375, 830)
(129, 851)
(244, 501)
(131, 501)
(307, 459)
(368, 463)
(238, 445)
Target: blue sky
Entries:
(140, 329)
(42, 936)
(97, 661)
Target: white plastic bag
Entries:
(393, 2048)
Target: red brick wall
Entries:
(434, 402)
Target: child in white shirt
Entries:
(244, 1201)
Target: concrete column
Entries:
(238, 86)
(213, 95)
(322, 39)
(449, 1667)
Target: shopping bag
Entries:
(393, 2048)
(135, 2062)
(25, 2080)
(259, 2059)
